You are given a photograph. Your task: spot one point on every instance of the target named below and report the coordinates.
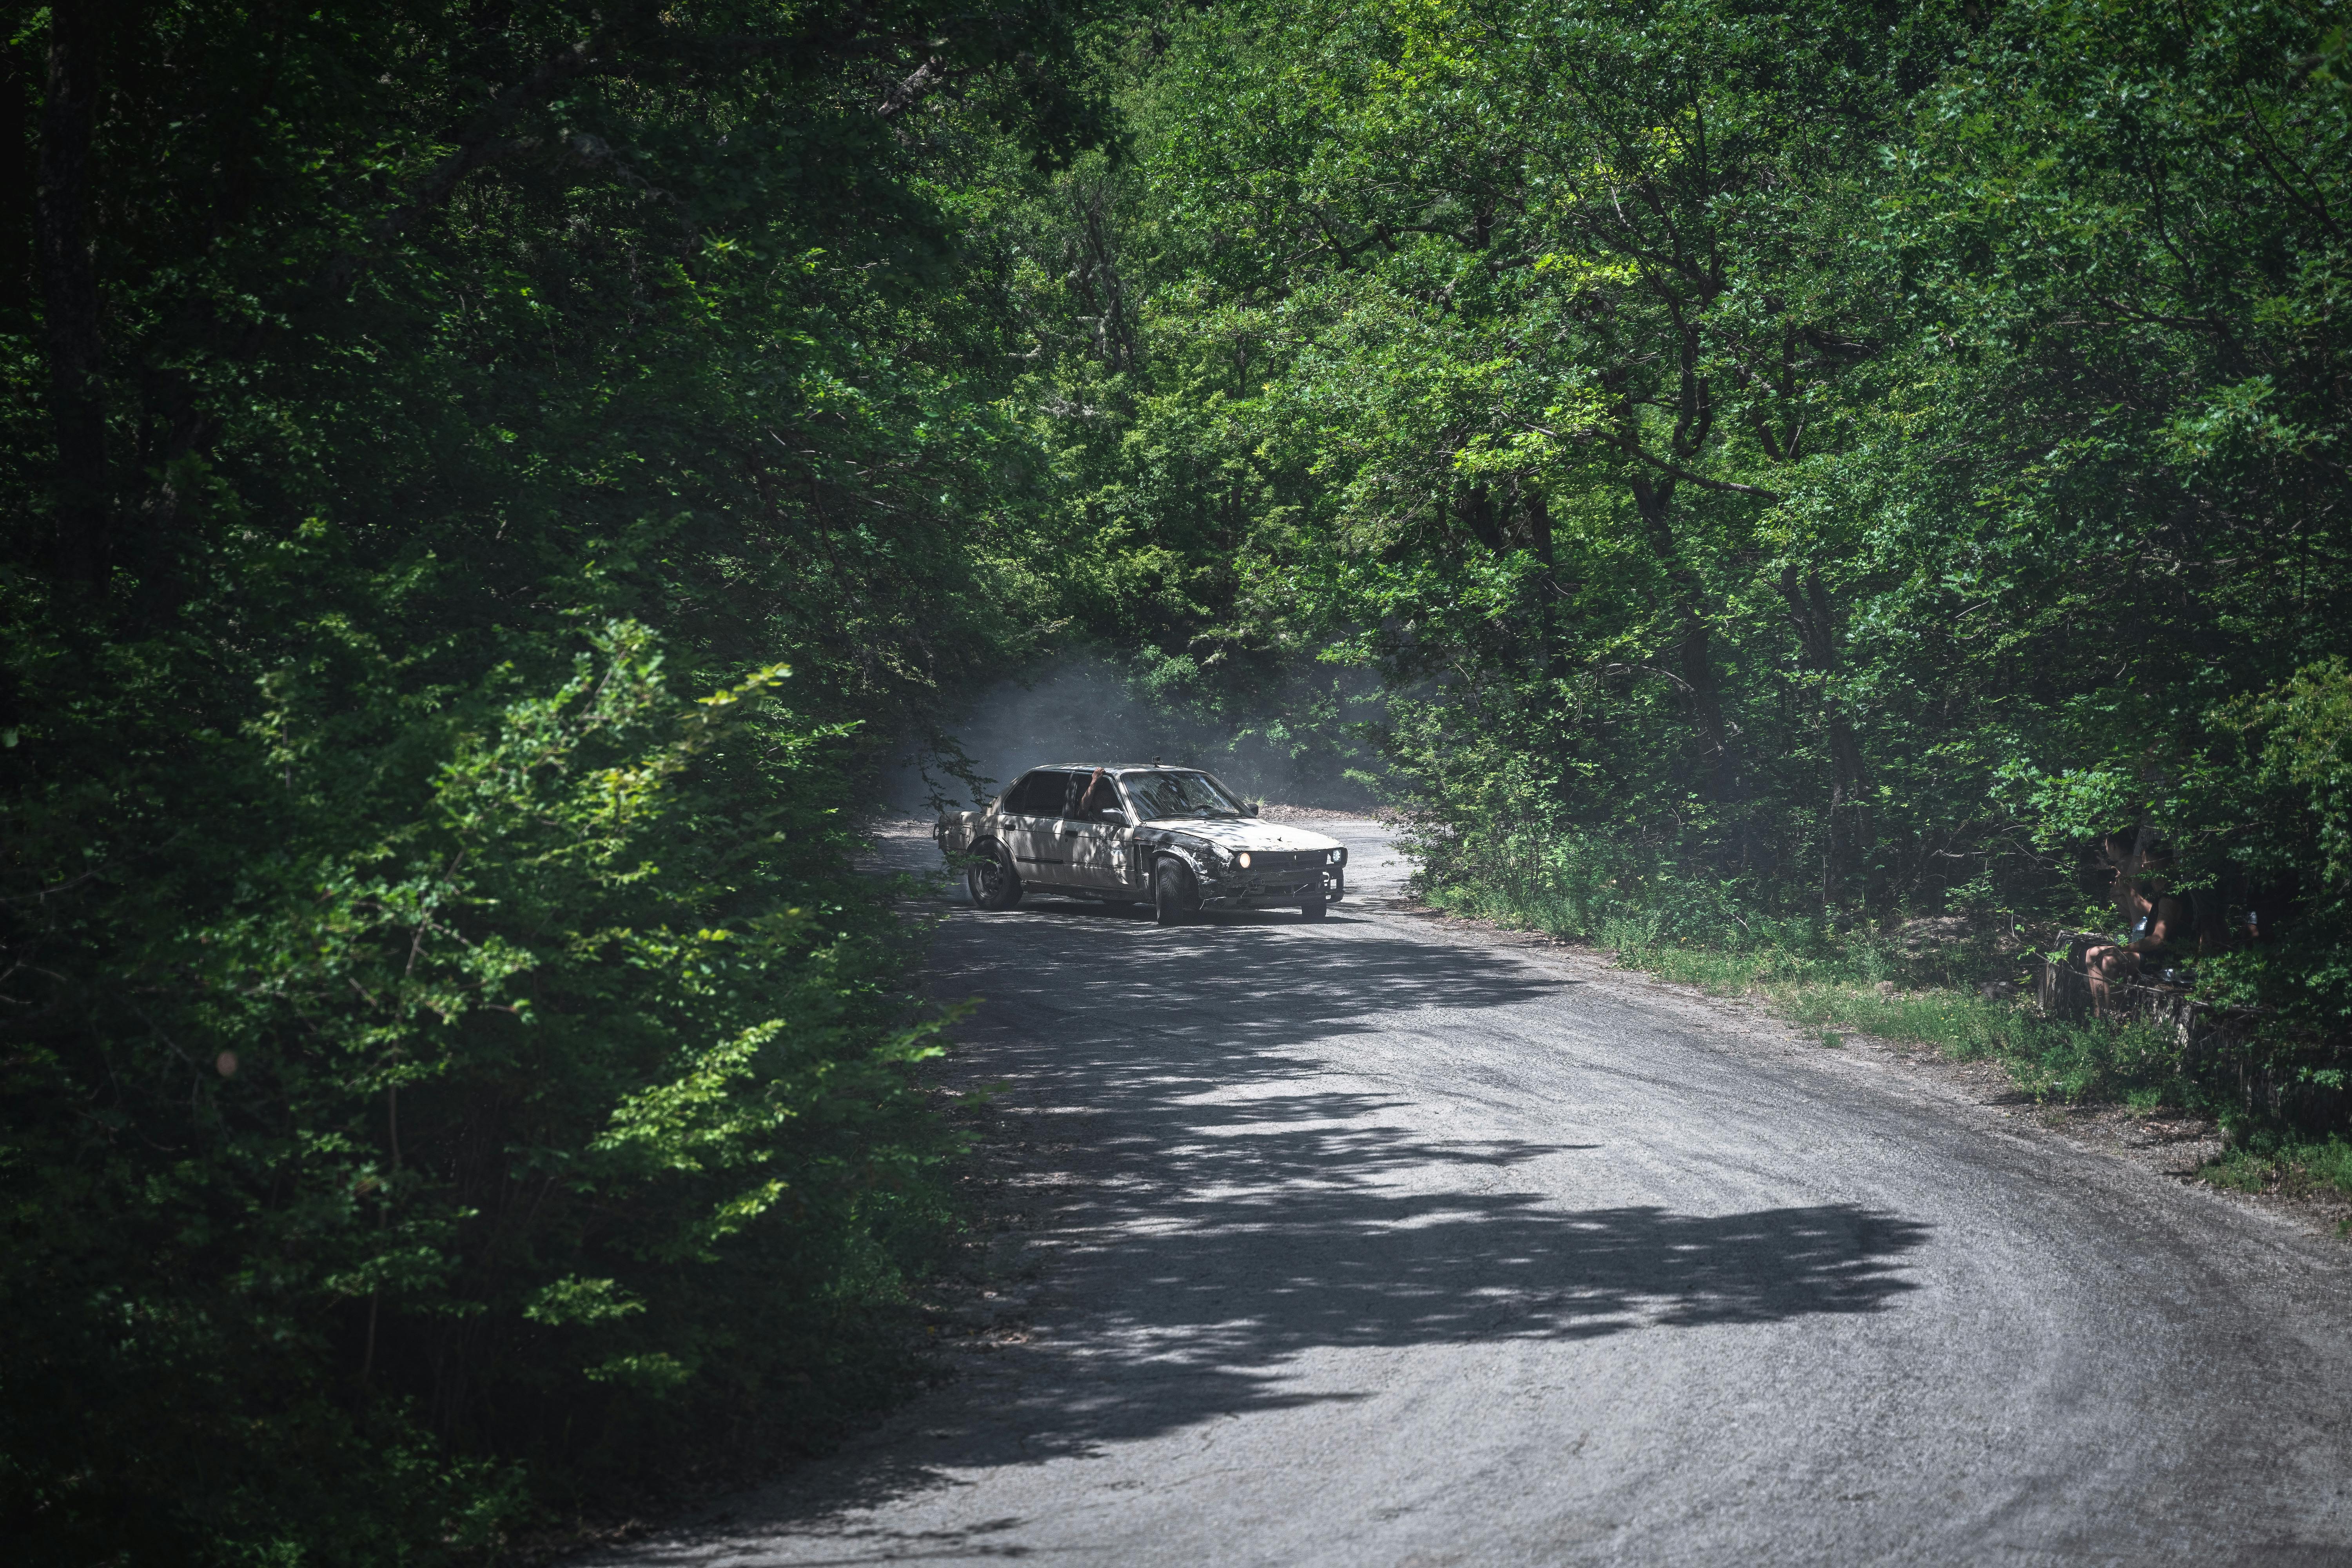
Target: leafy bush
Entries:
(563, 1121)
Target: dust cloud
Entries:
(1079, 708)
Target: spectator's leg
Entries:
(2104, 967)
(2098, 966)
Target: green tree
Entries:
(1837, 460)
(481, 477)
(1556, 309)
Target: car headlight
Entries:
(1338, 856)
(1242, 859)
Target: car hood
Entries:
(1245, 833)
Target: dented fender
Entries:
(1149, 845)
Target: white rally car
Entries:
(1121, 833)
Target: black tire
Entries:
(991, 879)
(1172, 902)
(1315, 909)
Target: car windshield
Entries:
(1179, 794)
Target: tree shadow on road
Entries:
(1214, 1208)
(1201, 1308)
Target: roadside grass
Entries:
(2070, 1064)
(2066, 1063)
(2266, 1162)
(1833, 984)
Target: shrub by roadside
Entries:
(529, 1136)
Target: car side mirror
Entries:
(1251, 807)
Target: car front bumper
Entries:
(1243, 890)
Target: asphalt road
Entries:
(1370, 1243)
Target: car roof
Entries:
(1118, 767)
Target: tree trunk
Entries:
(69, 293)
(18, 181)
(1475, 511)
(1809, 612)
(1549, 591)
(1702, 691)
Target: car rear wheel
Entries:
(991, 878)
(1172, 893)
(1314, 908)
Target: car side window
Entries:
(1042, 793)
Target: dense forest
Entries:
(492, 486)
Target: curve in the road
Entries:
(1370, 1244)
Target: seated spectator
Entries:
(2156, 925)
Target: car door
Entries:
(1031, 822)
(1096, 834)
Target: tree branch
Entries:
(1673, 471)
(932, 75)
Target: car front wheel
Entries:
(991, 878)
(1314, 908)
(1172, 893)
